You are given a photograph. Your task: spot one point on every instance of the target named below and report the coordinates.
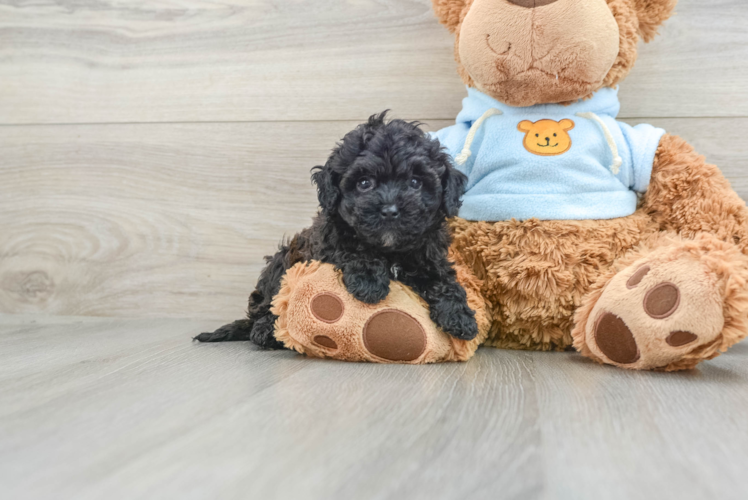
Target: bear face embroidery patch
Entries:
(547, 137)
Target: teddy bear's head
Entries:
(527, 52)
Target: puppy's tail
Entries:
(233, 332)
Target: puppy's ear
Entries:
(328, 193)
(354, 143)
(453, 183)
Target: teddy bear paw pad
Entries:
(395, 336)
(653, 315)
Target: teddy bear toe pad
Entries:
(327, 307)
(653, 314)
(662, 301)
(325, 341)
(615, 340)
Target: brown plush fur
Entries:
(651, 15)
(536, 273)
(687, 195)
(538, 283)
(636, 19)
(628, 35)
(451, 12)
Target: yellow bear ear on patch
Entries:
(525, 126)
(567, 124)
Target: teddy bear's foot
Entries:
(318, 317)
(673, 307)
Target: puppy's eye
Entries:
(416, 183)
(365, 184)
(554, 135)
(537, 135)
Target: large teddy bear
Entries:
(576, 229)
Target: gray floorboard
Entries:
(111, 408)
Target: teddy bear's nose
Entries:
(531, 4)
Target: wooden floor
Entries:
(113, 408)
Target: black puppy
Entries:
(385, 194)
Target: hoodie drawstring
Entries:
(463, 157)
(617, 160)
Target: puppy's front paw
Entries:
(367, 288)
(456, 319)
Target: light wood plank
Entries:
(177, 216)
(263, 60)
(719, 140)
(173, 220)
(110, 408)
(643, 435)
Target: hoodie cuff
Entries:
(644, 160)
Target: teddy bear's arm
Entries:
(687, 195)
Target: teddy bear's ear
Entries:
(449, 12)
(652, 13)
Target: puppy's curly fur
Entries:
(385, 194)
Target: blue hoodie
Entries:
(550, 162)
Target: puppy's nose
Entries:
(531, 4)
(390, 212)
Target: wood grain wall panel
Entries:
(273, 60)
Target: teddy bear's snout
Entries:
(540, 55)
(531, 4)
